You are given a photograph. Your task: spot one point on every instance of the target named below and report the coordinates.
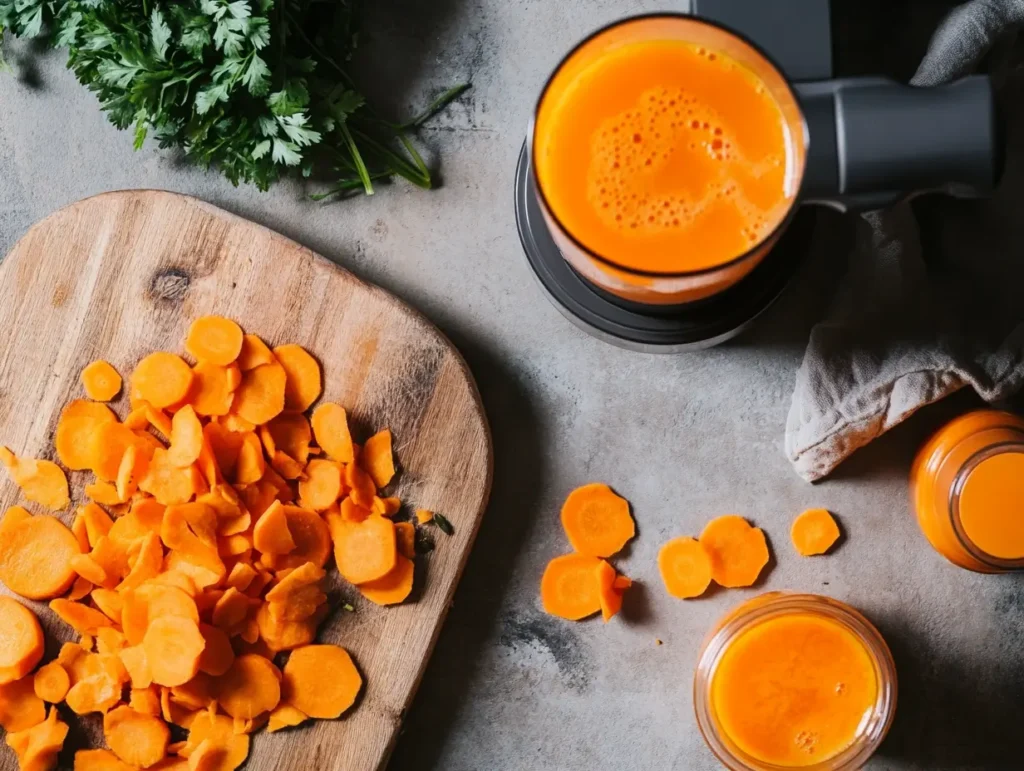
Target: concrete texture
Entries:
(683, 437)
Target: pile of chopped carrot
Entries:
(197, 565)
(729, 552)
(598, 524)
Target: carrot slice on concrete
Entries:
(685, 567)
(37, 747)
(214, 339)
(101, 381)
(303, 376)
(611, 598)
(285, 716)
(162, 379)
(255, 353)
(571, 587)
(213, 388)
(322, 484)
(378, 458)
(50, 683)
(261, 395)
(814, 532)
(135, 737)
(186, 438)
(738, 552)
(325, 695)
(173, 646)
(330, 427)
(597, 521)
(364, 551)
(21, 640)
(251, 685)
(41, 481)
(35, 554)
(392, 588)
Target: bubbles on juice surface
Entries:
(638, 155)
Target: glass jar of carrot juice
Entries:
(967, 489)
(794, 681)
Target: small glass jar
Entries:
(967, 489)
(875, 662)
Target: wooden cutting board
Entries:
(122, 274)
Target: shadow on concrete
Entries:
(474, 617)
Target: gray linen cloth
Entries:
(934, 296)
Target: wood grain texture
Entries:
(122, 274)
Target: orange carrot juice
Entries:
(664, 156)
(794, 681)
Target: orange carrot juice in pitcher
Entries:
(660, 154)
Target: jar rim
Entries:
(773, 605)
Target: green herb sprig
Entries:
(255, 88)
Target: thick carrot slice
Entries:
(37, 747)
(173, 646)
(218, 654)
(100, 760)
(271, 534)
(214, 339)
(260, 397)
(162, 379)
(597, 521)
(303, 376)
(364, 551)
(285, 716)
(101, 381)
(50, 683)
(571, 587)
(213, 388)
(186, 438)
(738, 552)
(311, 536)
(330, 427)
(165, 481)
(814, 532)
(255, 353)
(20, 706)
(321, 681)
(289, 432)
(392, 588)
(251, 686)
(405, 534)
(41, 481)
(685, 567)
(378, 458)
(135, 737)
(35, 555)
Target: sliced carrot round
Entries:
(35, 555)
(255, 353)
(41, 481)
(394, 587)
(261, 396)
(218, 654)
(251, 686)
(162, 379)
(112, 440)
(21, 640)
(50, 683)
(186, 438)
(312, 539)
(218, 731)
(365, 551)
(321, 681)
(135, 737)
(213, 388)
(101, 381)
(814, 532)
(303, 376)
(173, 646)
(322, 484)
(291, 433)
(597, 521)
(214, 339)
(738, 552)
(571, 587)
(330, 427)
(378, 458)
(685, 567)
(20, 706)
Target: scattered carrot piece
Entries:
(255, 353)
(186, 438)
(303, 376)
(213, 388)
(423, 516)
(81, 618)
(364, 551)
(393, 587)
(285, 716)
(41, 481)
(378, 458)
(322, 484)
(570, 587)
(738, 552)
(214, 339)
(135, 737)
(173, 646)
(218, 731)
(35, 554)
(814, 532)
(101, 381)
(611, 598)
(37, 747)
(321, 681)
(261, 395)
(251, 685)
(289, 432)
(330, 427)
(271, 534)
(597, 521)
(162, 379)
(685, 567)
(21, 707)
(405, 534)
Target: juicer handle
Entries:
(874, 141)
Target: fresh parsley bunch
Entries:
(255, 88)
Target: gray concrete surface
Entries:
(684, 437)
